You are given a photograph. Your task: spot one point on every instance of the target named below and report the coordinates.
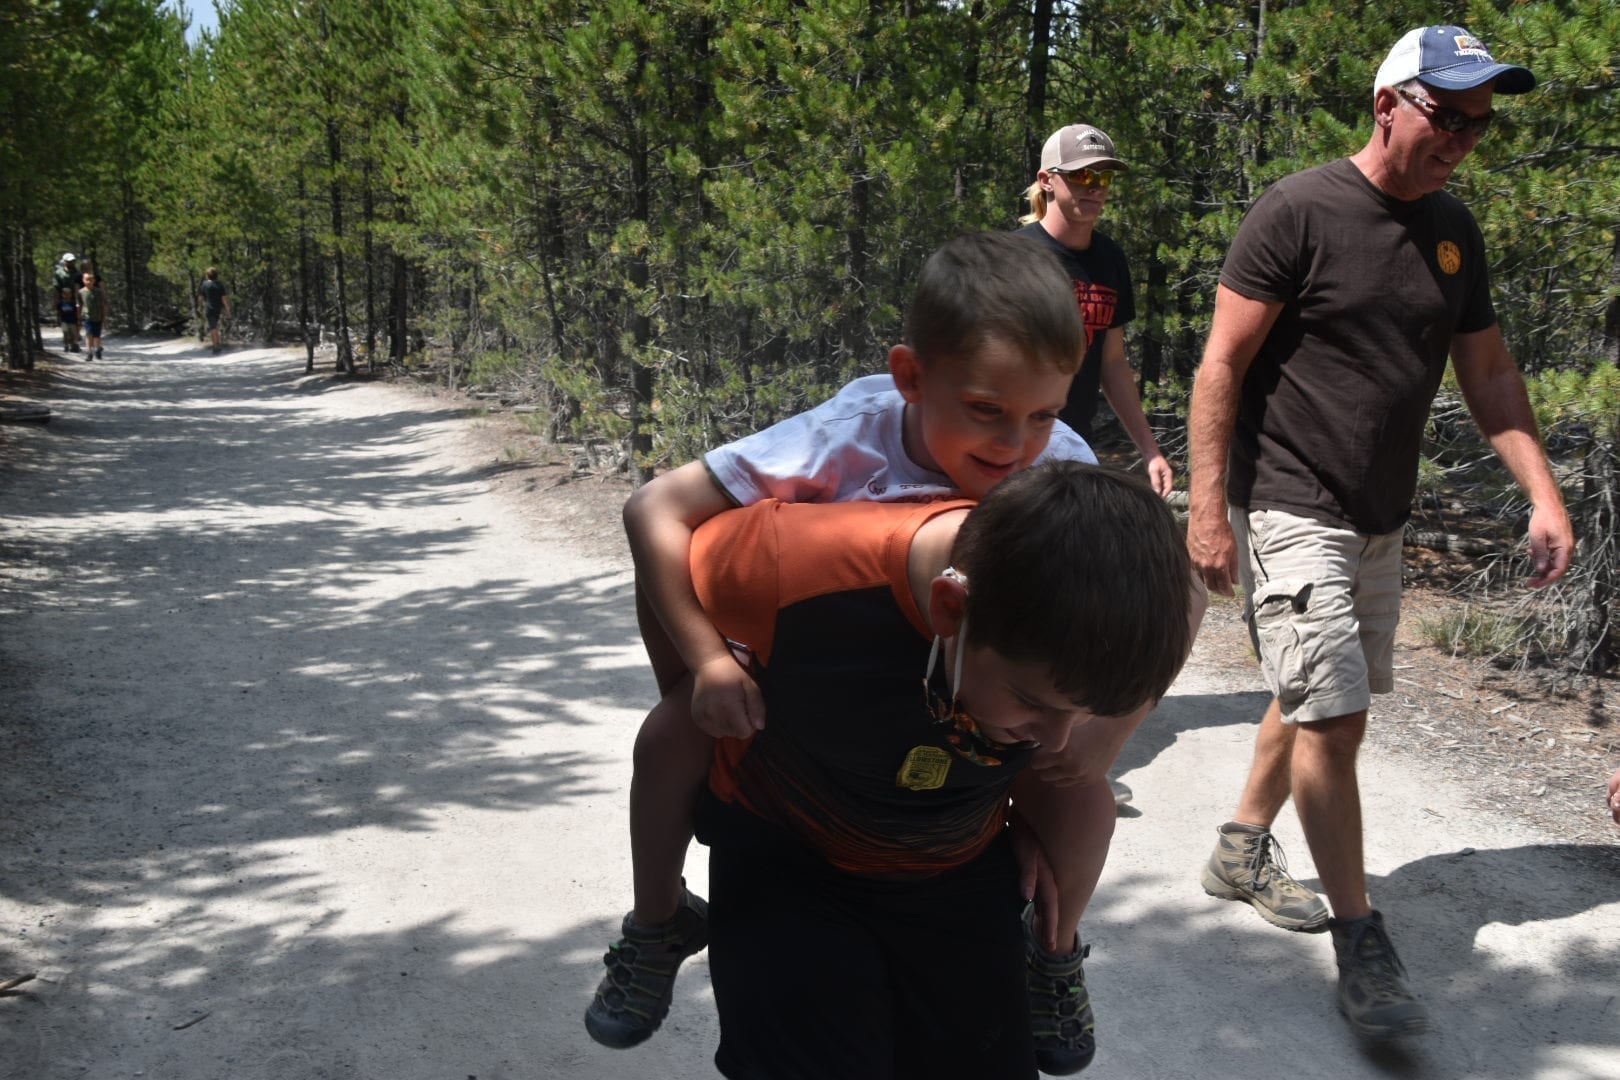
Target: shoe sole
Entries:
(1420, 1025)
(1219, 889)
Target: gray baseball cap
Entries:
(1079, 146)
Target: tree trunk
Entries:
(399, 289)
(126, 190)
(396, 307)
(1040, 47)
(334, 158)
(1611, 313)
(30, 289)
(267, 296)
(334, 161)
(371, 277)
(641, 373)
(19, 350)
(303, 278)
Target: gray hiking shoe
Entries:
(1059, 1006)
(633, 997)
(1248, 865)
(1372, 988)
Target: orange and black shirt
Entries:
(851, 760)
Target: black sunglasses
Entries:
(1449, 120)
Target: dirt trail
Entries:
(315, 753)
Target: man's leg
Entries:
(1328, 800)
(1372, 981)
(1297, 578)
(1271, 773)
(1247, 863)
(1332, 595)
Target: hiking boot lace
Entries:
(1268, 858)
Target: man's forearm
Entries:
(1211, 419)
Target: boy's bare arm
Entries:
(659, 520)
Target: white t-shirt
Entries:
(848, 448)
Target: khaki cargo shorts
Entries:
(1322, 602)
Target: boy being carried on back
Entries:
(992, 341)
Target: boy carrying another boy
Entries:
(993, 338)
(866, 922)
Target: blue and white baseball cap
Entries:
(1449, 58)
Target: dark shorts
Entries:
(819, 974)
(213, 319)
(68, 320)
(92, 328)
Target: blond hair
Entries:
(1037, 203)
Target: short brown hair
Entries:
(995, 286)
(1085, 571)
(212, 273)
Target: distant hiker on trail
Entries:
(93, 309)
(66, 275)
(214, 298)
(67, 315)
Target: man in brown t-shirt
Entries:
(1344, 292)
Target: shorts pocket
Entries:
(1279, 607)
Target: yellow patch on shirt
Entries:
(1449, 256)
(924, 769)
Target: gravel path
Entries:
(315, 747)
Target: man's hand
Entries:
(1160, 475)
(1552, 544)
(726, 703)
(1213, 550)
(1614, 796)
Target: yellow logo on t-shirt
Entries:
(1450, 257)
(924, 769)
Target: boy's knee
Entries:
(668, 734)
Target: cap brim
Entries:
(1113, 164)
(1508, 78)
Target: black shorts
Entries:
(213, 319)
(820, 974)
